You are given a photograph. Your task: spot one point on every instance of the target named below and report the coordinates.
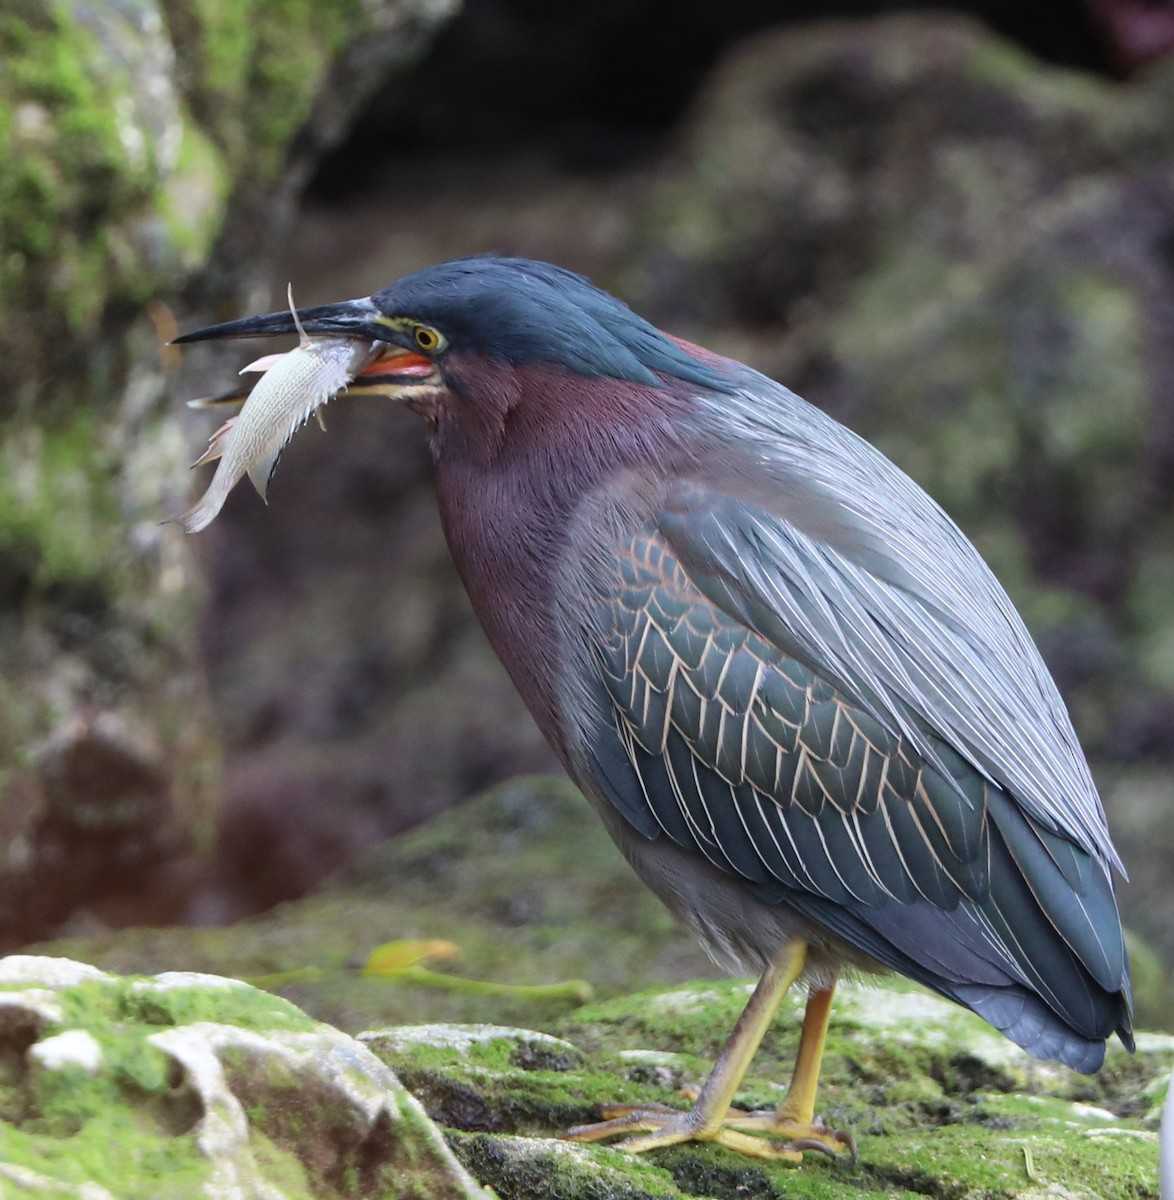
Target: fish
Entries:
(293, 387)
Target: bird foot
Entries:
(755, 1134)
(797, 1135)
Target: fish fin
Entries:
(216, 443)
(261, 473)
(263, 363)
(320, 419)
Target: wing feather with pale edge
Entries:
(719, 729)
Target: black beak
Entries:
(349, 318)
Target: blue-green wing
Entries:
(743, 747)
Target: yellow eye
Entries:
(426, 339)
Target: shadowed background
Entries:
(954, 230)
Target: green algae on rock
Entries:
(943, 1106)
(192, 1085)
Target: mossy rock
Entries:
(135, 138)
(108, 188)
(195, 1083)
(526, 882)
(191, 1086)
(940, 1103)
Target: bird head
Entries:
(463, 339)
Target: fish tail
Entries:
(206, 509)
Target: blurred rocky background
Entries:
(952, 227)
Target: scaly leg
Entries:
(657, 1125)
(794, 1119)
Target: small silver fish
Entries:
(293, 387)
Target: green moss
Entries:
(222, 47)
(526, 1170)
(252, 68)
(917, 329)
(1153, 984)
(66, 1120)
(1077, 96)
(194, 197)
(84, 1156)
(105, 1004)
(58, 521)
(282, 1169)
(91, 175)
(942, 1105)
(528, 1084)
(67, 166)
(1148, 601)
(1010, 1162)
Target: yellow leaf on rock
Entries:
(392, 958)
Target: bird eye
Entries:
(426, 339)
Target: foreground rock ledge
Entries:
(186, 1085)
(190, 1085)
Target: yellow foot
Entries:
(756, 1134)
(797, 1135)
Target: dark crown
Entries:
(521, 311)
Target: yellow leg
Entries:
(799, 1106)
(794, 1119)
(658, 1125)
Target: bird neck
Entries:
(507, 502)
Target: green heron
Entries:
(805, 710)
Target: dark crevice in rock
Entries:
(601, 84)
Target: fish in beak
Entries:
(339, 346)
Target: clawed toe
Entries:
(830, 1143)
(654, 1125)
(757, 1135)
(623, 1118)
(796, 1136)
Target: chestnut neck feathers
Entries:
(506, 511)
(550, 386)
